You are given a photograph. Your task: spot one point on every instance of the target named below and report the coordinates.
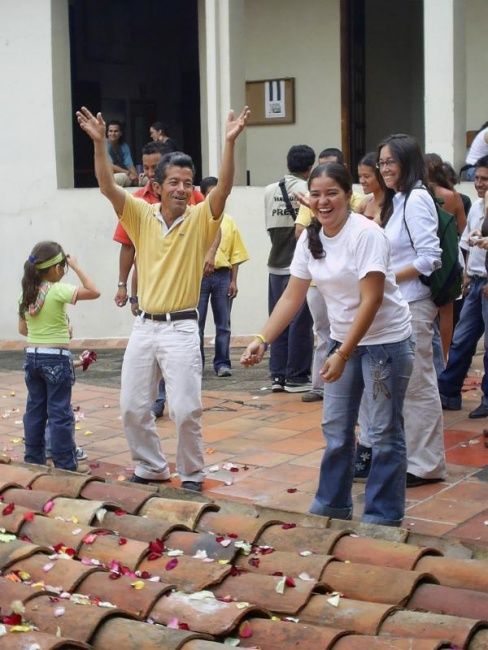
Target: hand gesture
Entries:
(253, 354)
(91, 125)
(333, 368)
(235, 125)
(304, 199)
(482, 242)
(72, 261)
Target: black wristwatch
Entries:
(133, 300)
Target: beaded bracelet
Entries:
(342, 354)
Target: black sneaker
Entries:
(277, 385)
(417, 481)
(297, 386)
(193, 486)
(362, 463)
(158, 409)
(480, 411)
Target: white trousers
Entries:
(173, 350)
(321, 328)
(422, 410)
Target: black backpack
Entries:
(445, 283)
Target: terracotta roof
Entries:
(88, 563)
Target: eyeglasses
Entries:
(383, 164)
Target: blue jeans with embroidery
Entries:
(382, 372)
(291, 353)
(49, 378)
(215, 288)
(471, 326)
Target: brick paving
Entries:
(261, 447)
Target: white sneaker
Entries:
(81, 454)
(223, 371)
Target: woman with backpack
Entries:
(410, 221)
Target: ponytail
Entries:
(33, 276)
(314, 242)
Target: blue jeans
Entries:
(472, 324)
(49, 378)
(215, 287)
(291, 353)
(382, 372)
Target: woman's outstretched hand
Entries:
(253, 354)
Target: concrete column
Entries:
(222, 68)
(61, 79)
(445, 79)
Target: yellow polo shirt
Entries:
(305, 215)
(231, 249)
(169, 264)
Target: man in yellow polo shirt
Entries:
(171, 240)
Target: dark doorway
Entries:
(382, 65)
(136, 61)
(352, 86)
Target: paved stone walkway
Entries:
(261, 447)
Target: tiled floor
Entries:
(266, 448)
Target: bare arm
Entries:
(459, 214)
(287, 306)
(22, 326)
(371, 289)
(407, 273)
(232, 292)
(134, 307)
(126, 260)
(221, 191)
(209, 263)
(94, 127)
(88, 290)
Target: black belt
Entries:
(171, 315)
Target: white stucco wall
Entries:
(33, 208)
(83, 221)
(476, 63)
(286, 40)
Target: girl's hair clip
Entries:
(32, 259)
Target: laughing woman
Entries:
(370, 351)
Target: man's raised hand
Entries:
(236, 124)
(91, 125)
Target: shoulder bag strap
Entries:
(286, 199)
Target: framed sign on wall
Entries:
(272, 101)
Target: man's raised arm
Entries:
(221, 191)
(95, 128)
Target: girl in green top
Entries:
(48, 362)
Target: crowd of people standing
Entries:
(352, 268)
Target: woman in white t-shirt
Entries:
(348, 257)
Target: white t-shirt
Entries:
(358, 249)
(476, 257)
(479, 148)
